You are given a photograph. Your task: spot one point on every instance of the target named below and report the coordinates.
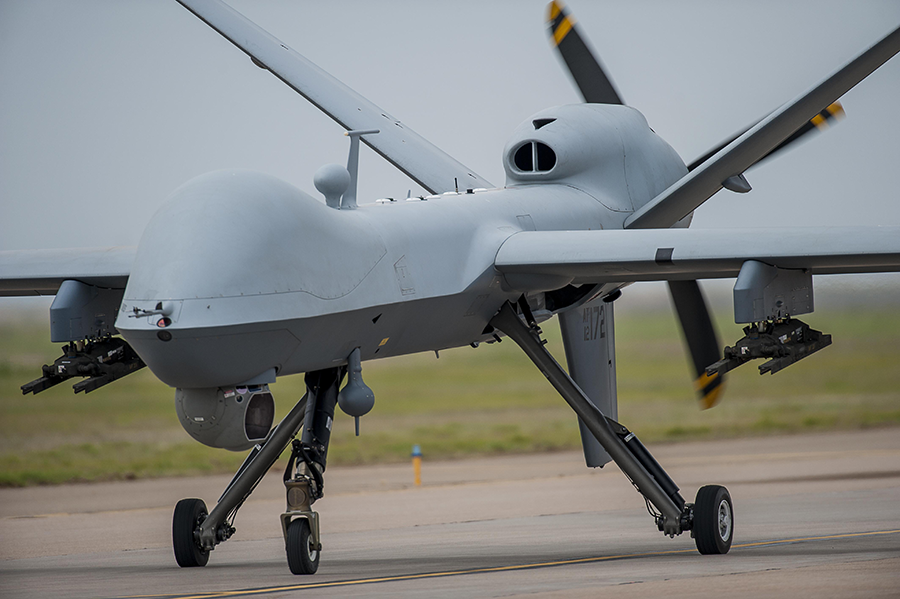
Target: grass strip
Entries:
(469, 402)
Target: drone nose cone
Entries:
(240, 233)
(239, 253)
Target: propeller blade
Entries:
(700, 338)
(595, 85)
(817, 123)
(597, 88)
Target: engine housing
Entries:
(233, 418)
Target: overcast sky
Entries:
(106, 106)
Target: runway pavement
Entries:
(815, 515)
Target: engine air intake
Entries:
(534, 157)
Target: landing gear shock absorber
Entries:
(305, 484)
(299, 523)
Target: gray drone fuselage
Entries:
(250, 277)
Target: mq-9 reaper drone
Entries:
(593, 201)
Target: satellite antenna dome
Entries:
(332, 180)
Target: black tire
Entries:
(302, 557)
(713, 520)
(189, 514)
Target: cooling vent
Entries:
(534, 157)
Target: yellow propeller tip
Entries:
(836, 110)
(553, 9)
(712, 398)
(710, 389)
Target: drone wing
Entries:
(41, 272)
(418, 158)
(706, 179)
(581, 257)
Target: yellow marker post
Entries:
(417, 465)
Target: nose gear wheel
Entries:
(302, 554)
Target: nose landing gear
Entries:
(196, 532)
(299, 523)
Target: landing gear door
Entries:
(589, 339)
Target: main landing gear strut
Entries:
(196, 532)
(710, 518)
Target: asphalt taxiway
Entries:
(814, 515)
